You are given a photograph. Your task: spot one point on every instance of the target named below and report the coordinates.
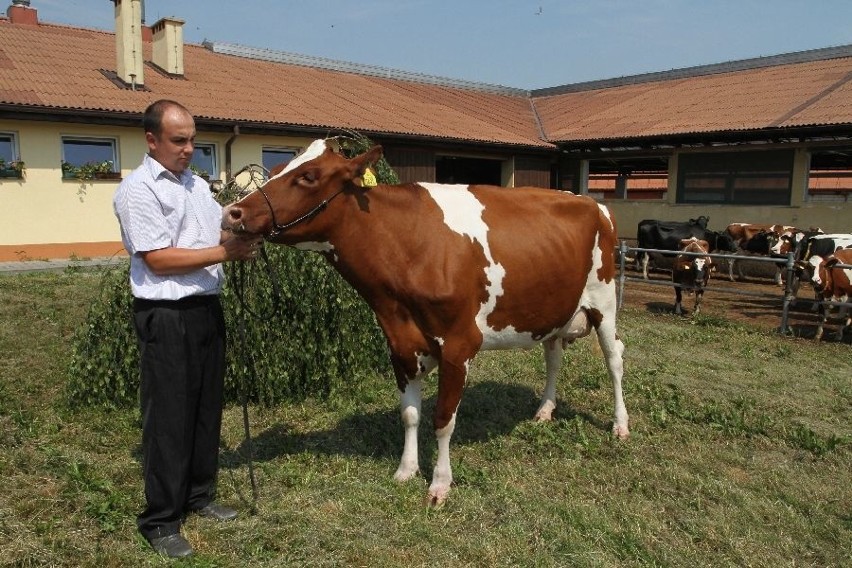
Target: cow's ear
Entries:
(359, 165)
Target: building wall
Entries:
(56, 218)
(830, 217)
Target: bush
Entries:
(312, 336)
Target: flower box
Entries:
(11, 173)
(107, 175)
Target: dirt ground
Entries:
(762, 306)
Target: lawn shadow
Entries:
(487, 410)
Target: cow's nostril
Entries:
(234, 213)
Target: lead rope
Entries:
(240, 277)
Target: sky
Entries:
(526, 44)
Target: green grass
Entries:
(740, 455)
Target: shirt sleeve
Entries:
(144, 225)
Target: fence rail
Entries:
(787, 294)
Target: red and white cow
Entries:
(832, 284)
(691, 273)
(762, 240)
(450, 270)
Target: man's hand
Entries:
(242, 247)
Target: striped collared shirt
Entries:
(158, 210)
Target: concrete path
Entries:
(57, 265)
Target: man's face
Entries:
(173, 147)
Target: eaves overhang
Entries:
(788, 134)
(213, 124)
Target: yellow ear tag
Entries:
(369, 179)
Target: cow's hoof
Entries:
(620, 432)
(436, 497)
(545, 413)
(403, 475)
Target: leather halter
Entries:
(277, 228)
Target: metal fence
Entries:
(788, 263)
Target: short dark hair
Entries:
(152, 120)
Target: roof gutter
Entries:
(228, 145)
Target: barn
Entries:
(715, 140)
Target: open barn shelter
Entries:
(759, 140)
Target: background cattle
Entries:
(832, 284)
(812, 251)
(450, 270)
(761, 240)
(667, 235)
(691, 273)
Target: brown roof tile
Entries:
(59, 67)
(794, 95)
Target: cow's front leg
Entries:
(698, 295)
(553, 349)
(823, 318)
(410, 401)
(678, 300)
(452, 376)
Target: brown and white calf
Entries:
(450, 270)
(691, 273)
(832, 284)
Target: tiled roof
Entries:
(57, 67)
(811, 93)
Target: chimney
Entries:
(128, 42)
(168, 45)
(19, 12)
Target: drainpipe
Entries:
(228, 145)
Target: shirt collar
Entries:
(157, 170)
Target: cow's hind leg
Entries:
(553, 350)
(613, 350)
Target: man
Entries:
(170, 226)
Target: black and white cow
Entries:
(667, 235)
(812, 251)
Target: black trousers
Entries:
(182, 363)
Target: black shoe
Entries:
(173, 546)
(217, 512)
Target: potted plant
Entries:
(90, 171)
(14, 169)
(203, 174)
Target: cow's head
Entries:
(723, 241)
(289, 205)
(818, 270)
(701, 221)
(700, 266)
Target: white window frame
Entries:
(215, 152)
(293, 149)
(116, 164)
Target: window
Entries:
(274, 156)
(8, 146)
(830, 175)
(457, 169)
(736, 178)
(629, 178)
(204, 161)
(11, 165)
(89, 158)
